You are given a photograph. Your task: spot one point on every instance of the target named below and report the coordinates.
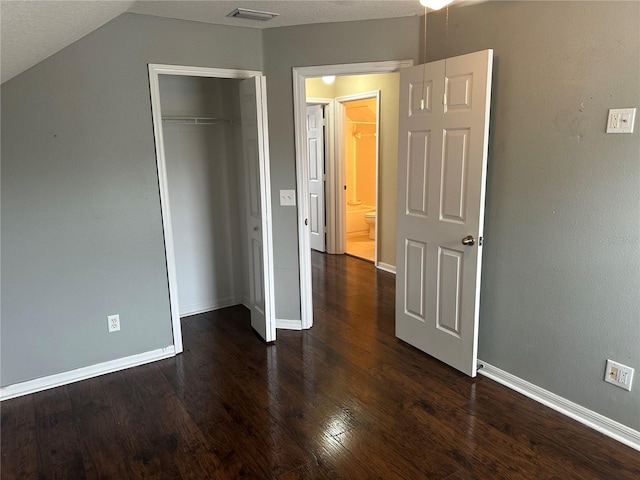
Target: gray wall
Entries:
(81, 227)
(561, 276)
(321, 44)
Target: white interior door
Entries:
(253, 109)
(315, 151)
(442, 158)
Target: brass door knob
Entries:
(469, 240)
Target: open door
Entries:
(255, 147)
(442, 161)
(315, 151)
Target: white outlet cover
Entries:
(623, 377)
(621, 120)
(113, 322)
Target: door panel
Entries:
(418, 173)
(449, 290)
(454, 175)
(444, 118)
(315, 150)
(256, 166)
(415, 268)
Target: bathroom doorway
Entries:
(358, 157)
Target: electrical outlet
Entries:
(621, 120)
(619, 375)
(114, 323)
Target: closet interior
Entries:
(203, 154)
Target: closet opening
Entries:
(211, 144)
(202, 144)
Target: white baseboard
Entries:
(386, 267)
(592, 419)
(64, 378)
(217, 304)
(288, 324)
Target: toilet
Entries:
(370, 219)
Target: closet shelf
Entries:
(199, 120)
(361, 123)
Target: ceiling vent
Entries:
(252, 14)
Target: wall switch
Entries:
(621, 120)
(287, 198)
(619, 375)
(114, 323)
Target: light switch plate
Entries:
(287, 198)
(621, 120)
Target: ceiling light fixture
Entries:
(329, 79)
(252, 14)
(435, 4)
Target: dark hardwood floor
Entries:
(344, 400)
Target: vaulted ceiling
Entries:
(33, 30)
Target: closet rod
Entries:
(198, 120)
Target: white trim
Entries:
(288, 324)
(188, 71)
(602, 424)
(386, 267)
(302, 174)
(65, 378)
(155, 70)
(300, 74)
(340, 181)
(196, 308)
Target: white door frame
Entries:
(329, 162)
(155, 70)
(300, 74)
(341, 230)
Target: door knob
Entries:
(469, 240)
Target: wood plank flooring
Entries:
(344, 400)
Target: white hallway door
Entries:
(315, 149)
(255, 145)
(442, 161)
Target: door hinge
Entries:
(323, 122)
(324, 177)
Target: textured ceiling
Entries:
(32, 30)
(291, 12)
